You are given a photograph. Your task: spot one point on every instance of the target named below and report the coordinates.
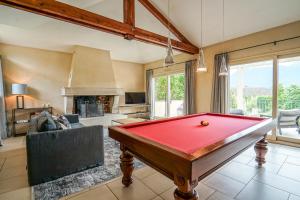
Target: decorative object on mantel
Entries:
(77, 182)
(169, 60)
(19, 90)
(223, 68)
(202, 67)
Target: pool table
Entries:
(186, 151)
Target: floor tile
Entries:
(136, 191)
(276, 158)
(290, 171)
(293, 160)
(294, 197)
(219, 196)
(20, 194)
(268, 166)
(255, 190)
(6, 173)
(158, 183)
(13, 183)
(239, 172)
(279, 182)
(244, 159)
(287, 150)
(224, 184)
(99, 193)
(144, 172)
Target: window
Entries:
(251, 88)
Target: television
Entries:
(135, 97)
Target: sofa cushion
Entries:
(77, 125)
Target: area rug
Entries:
(77, 182)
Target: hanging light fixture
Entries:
(223, 68)
(201, 67)
(169, 60)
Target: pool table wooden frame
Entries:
(186, 170)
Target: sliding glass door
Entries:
(251, 89)
(160, 96)
(289, 97)
(169, 95)
(269, 88)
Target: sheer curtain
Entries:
(220, 87)
(189, 92)
(149, 90)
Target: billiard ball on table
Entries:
(204, 123)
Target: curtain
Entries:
(149, 90)
(3, 119)
(189, 92)
(220, 87)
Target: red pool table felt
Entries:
(185, 134)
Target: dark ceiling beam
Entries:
(129, 15)
(129, 12)
(68, 13)
(156, 13)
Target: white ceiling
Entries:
(242, 17)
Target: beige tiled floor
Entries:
(240, 179)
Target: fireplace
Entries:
(91, 101)
(93, 106)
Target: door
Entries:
(176, 95)
(160, 96)
(169, 95)
(288, 97)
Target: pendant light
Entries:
(202, 67)
(169, 60)
(223, 68)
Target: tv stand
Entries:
(135, 110)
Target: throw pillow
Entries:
(42, 123)
(62, 119)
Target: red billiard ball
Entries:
(204, 123)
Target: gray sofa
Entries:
(53, 154)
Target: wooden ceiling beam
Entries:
(129, 15)
(68, 13)
(156, 13)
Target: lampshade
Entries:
(169, 60)
(223, 68)
(17, 88)
(202, 66)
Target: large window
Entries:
(251, 88)
(169, 95)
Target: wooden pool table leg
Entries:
(185, 189)
(126, 166)
(261, 150)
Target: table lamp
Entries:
(19, 89)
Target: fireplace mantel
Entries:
(86, 91)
